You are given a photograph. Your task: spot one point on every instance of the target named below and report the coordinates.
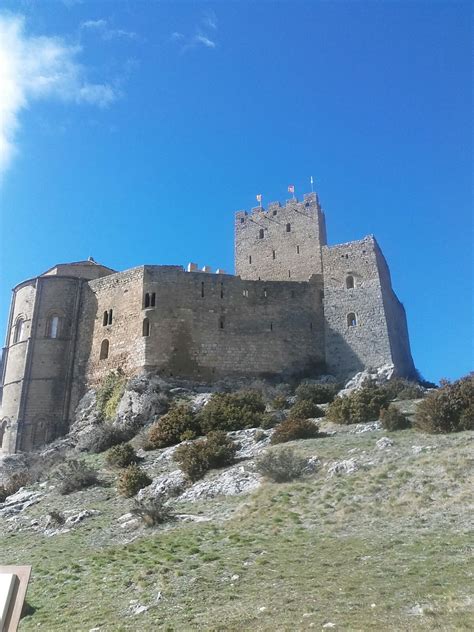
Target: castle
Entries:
(294, 305)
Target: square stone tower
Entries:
(280, 243)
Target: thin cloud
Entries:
(35, 68)
(201, 35)
(102, 28)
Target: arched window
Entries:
(19, 330)
(351, 320)
(3, 427)
(52, 326)
(110, 316)
(146, 327)
(261, 233)
(349, 282)
(105, 320)
(147, 300)
(104, 350)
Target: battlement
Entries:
(309, 204)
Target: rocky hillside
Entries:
(371, 532)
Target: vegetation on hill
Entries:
(449, 408)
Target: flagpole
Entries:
(312, 182)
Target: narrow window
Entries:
(297, 250)
(153, 299)
(245, 292)
(274, 254)
(52, 327)
(288, 228)
(292, 294)
(321, 295)
(147, 300)
(271, 326)
(349, 282)
(104, 350)
(260, 233)
(105, 319)
(274, 213)
(202, 289)
(221, 323)
(222, 290)
(110, 316)
(351, 320)
(146, 327)
(19, 330)
(265, 294)
(311, 326)
(289, 274)
(242, 220)
(3, 427)
(250, 258)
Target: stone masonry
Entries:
(295, 305)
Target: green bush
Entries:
(448, 409)
(73, 476)
(232, 411)
(317, 393)
(131, 480)
(179, 424)
(360, 406)
(280, 402)
(392, 419)
(400, 388)
(152, 512)
(281, 464)
(109, 393)
(15, 482)
(305, 409)
(121, 455)
(292, 429)
(195, 459)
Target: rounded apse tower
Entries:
(38, 356)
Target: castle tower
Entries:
(280, 243)
(38, 356)
(365, 323)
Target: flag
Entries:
(291, 188)
(259, 197)
(311, 180)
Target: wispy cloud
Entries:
(33, 68)
(202, 34)
(102, 28)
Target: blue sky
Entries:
(131, 131)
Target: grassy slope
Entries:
(358, 550)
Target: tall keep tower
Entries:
(280, 243)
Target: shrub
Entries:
(360, 406)
(317, 393)
(121, 455)
(179, 424)
(305, 409)
(106, 436)
(131, 480)
(232, 411)
(109, 393)
(73, 476)
(152, 511)
(400, 388)
(281, 464)
(195, 459)
(15, 482)
(292, 429)
(280, 402)
(449, 408)
(392, 419)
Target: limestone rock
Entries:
(348, 466)
(19, 501)
(383, 443)
(231, 482)
(167, 485)
(379, 376)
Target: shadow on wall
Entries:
(341, 360)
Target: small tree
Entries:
(196, 458)
(449, 408)
(281, 464)
(131, 480)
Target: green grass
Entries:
(360, 551)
